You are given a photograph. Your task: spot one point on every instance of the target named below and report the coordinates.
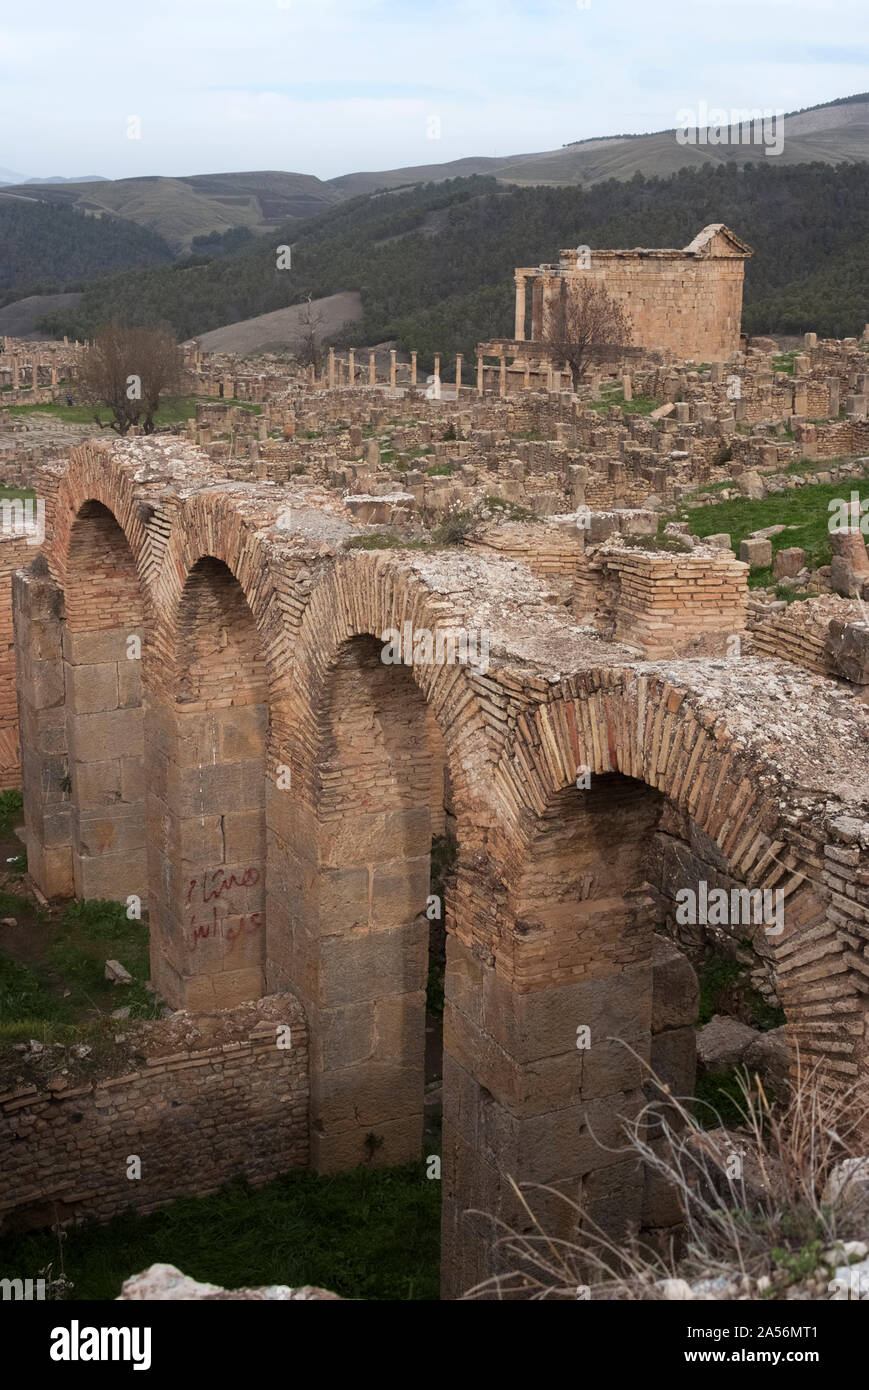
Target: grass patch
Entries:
(67, 988)
(726, 988)
(640, 405)
(383, 540)
(443, 470)
(11, 811)
(805, 508)
(373, 1233)
(717, 1100)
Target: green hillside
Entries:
(45, 248)
(434, 265)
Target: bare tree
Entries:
(126, 371)
(588, 326)
(310, 347)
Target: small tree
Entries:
(587, 327)
(310, 347)
(126, 371)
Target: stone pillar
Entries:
(552, 287)
(351, 367)
(54, 373)
(833, 404)
(801, 398)
(38, 610)
(311, 375)
(413, 369)
(392, 358)
(458, 374)
(537, 308)
(502, 379)
(15, 385)
(331, 369)
(480, 373)
(627, 387)
(519, 328)
(526, 379)
(372, 369)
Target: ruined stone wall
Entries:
(199, 1100)
(691, 306)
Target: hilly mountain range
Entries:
(179, 209)
(432, 265)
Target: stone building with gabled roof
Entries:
(686, 302)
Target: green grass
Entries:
(640, 405)
(443, 470)
(718, 1100)
(804, 508)
(11, 811)
(32, 1002)
(784, 362)
(173, 410)
(372, 1233)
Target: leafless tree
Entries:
(587, 327)
(310, 347)
(126, 371)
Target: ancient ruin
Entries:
(254, 682)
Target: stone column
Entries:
(351, 367)
(551, 300)
(627, 387)
(526, 379)
(38, 611)
(372, 369)
(331, 368)
(833, 388)
(15, 385)
(480, 371)
(392, 357)
(458, 374)
(519, 329)
(413, 369)
(502, 386)
(311, 371)
(537, 308)
(54, 373)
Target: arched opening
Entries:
(208, 801)
(102, 651)
(545, 1049)
(359, 878)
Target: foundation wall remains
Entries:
(201, 1100)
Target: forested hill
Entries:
(46, 248)
(434, 265)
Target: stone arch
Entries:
(350, 849)
(103, 633)
(207, 742)
(562, 857)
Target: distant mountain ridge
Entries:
(179, 209)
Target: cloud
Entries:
(328, 86)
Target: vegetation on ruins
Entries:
(126, 371)
(808, 223)
(802, 511)
(767, 1204)
(587, 328)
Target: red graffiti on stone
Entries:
(210, 888)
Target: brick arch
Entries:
(208, 734)
(364, 594)
(94, 555)
(349, 856)
(560, 952)
(90, 477)
(212, 525)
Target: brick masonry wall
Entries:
(200, 1099)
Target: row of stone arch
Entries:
(257, 775)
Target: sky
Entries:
(124, 88)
